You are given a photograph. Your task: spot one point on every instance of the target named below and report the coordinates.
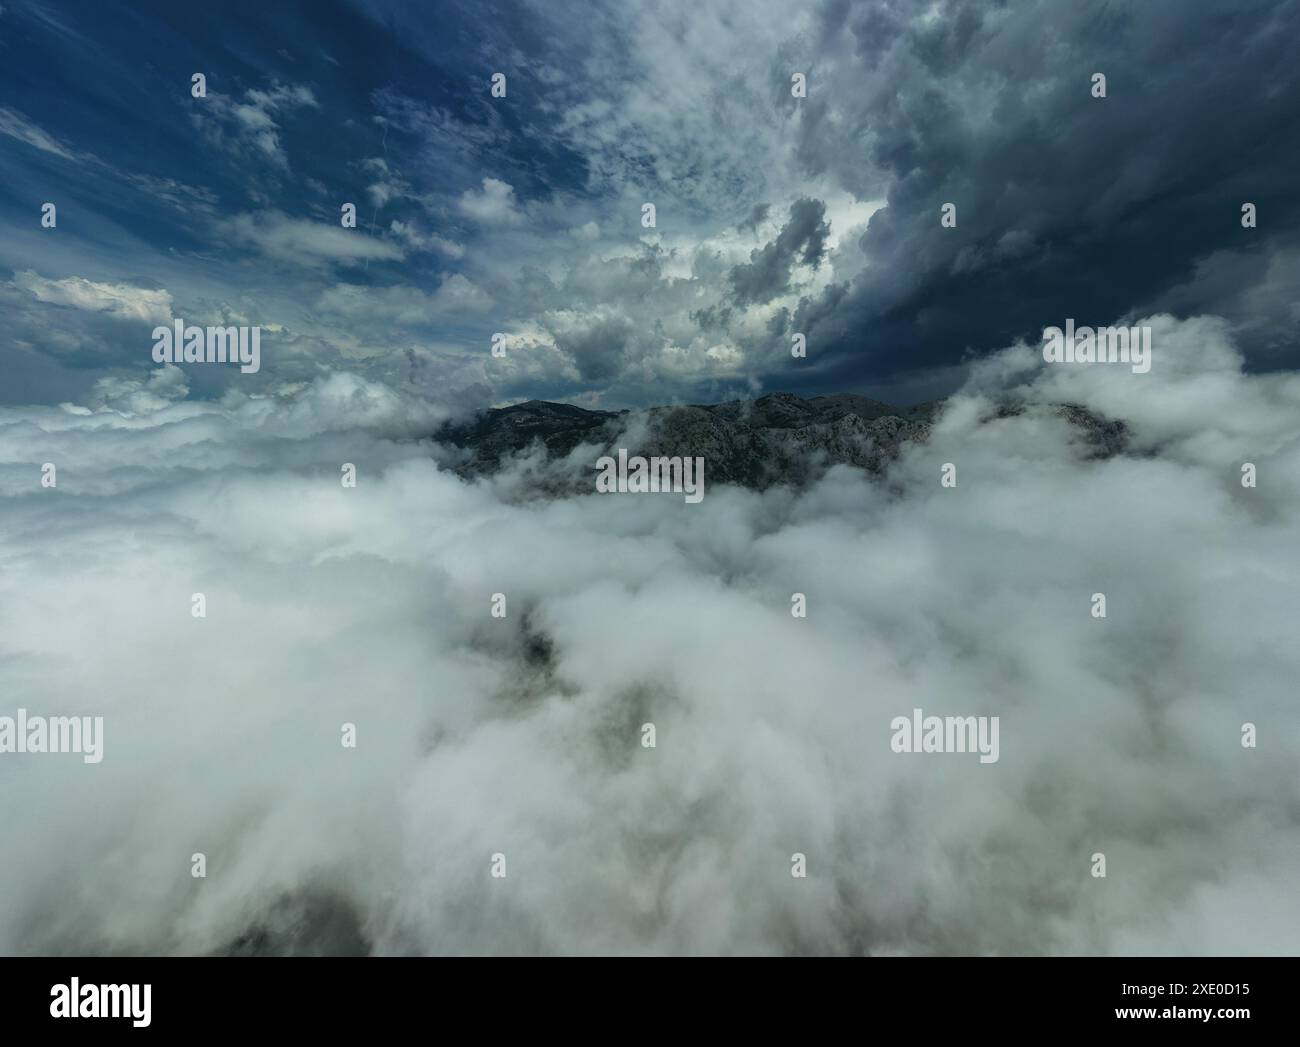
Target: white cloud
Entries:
(419, 241)
(118, 300)
(309, 243)
(456, 293)
(16, 125)
(135, 396)
(402, 303)
(475, 735)
(250, 123)
(493, 205)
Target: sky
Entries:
(522, 215)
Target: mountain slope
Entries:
(776, 439)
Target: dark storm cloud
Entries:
(1067, 205)
(597, 349)
(802, 239)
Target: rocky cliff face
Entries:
(776, 439)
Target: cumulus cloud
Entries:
(133, 395)
(522, 735)
(121, 301)
(594, 341)
(494, 204)
(910, 104)
(410, 235)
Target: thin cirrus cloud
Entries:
(16, 125)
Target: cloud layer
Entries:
(522, 735)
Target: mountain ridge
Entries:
(778, 438)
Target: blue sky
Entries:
(522, 215)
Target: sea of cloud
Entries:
(522, 736)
